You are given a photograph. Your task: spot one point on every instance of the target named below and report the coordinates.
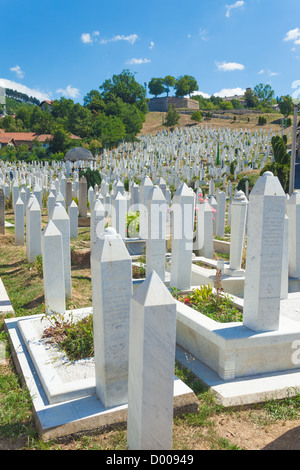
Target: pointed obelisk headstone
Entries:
(111, 292)
(264, 256)
(151, 366)
(53, 269)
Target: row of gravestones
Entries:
(134, 331)
(267, 259)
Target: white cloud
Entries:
(238, 4)
(88, 38)
(227, 92)
(138, 61)
(268, 72)
(69, 92)
(203, 34)
(201, 93)
(229, 66)
(131, 38)
(293, 35)
(151, 45)
(40, 95)
(17, 69)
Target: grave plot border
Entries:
(78, 415)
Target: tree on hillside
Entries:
(264, 94)
(156, 86)
(286, 105)
(226, 105)
(79, 120)
(196, 116)
(185, 85)
(24, 114)
(172, 116)
(169, 82)
(126, 87)
(60, 142)
(130, 115)
(62, 107)
(236, 104)
(280, 167)
(251, 100)
(9, 124)
(94, 102)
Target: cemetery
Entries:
(169, 266)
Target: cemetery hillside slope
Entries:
(154, 122)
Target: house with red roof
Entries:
(28, 138)
(6, 141)
(46, 105)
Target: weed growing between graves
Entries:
(74, 338)
(214, 304)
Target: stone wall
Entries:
(161, 104)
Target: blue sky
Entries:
(52, 48)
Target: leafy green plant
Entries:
(132, 224)
(214, 304)
(74, 337)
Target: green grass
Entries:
(24, 285)
(15, 407)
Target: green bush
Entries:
(196, 116)
(93, 177)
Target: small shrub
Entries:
(74, 338)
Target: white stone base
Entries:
(5, 304)
(244, 390)
(233, 351)
(78, 411)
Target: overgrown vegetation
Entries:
(280, 167)
(215, 304)
(74, 337)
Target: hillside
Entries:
(153, 122)
(12, 105)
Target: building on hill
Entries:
(28, 138)
(240, 98)
(46, 105)
(161, 104)
(6, 141)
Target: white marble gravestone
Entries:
(293, 213)
(156, 240)
(183, 208)
(83, 197)
(204, 230)
(62, 222)
(264, 256)
(53, 269)
(151, 366)
(238, 225)
(33, 229)
(97, 223)
(73, 216)
(111, 292)
(19, 222)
